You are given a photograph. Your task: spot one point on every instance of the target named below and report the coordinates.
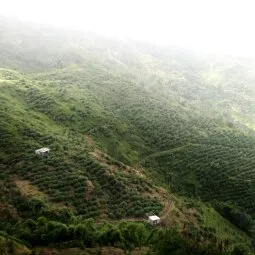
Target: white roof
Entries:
(154, 217)
(43, 150)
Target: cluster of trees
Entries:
(125, 235)
(84, 233)
(169, 241)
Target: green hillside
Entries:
(130, 127)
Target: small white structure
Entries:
(43, 152)
(154, 220)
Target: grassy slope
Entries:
(37, 120)
(67, 137)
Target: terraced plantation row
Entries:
(70, 176)
(201, 155)
(196, 153)
(212, 172)
(87, 187)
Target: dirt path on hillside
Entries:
(167, 209)
(163, 214)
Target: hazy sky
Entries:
(208, 25)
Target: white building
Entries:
(43, 152)
(154, 220)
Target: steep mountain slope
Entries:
(129, 125)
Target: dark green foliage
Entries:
(169, 241)
(127, 235)
(236, 216)
(240, 250)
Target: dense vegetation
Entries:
(127, 124)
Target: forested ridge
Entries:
(131, 126)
